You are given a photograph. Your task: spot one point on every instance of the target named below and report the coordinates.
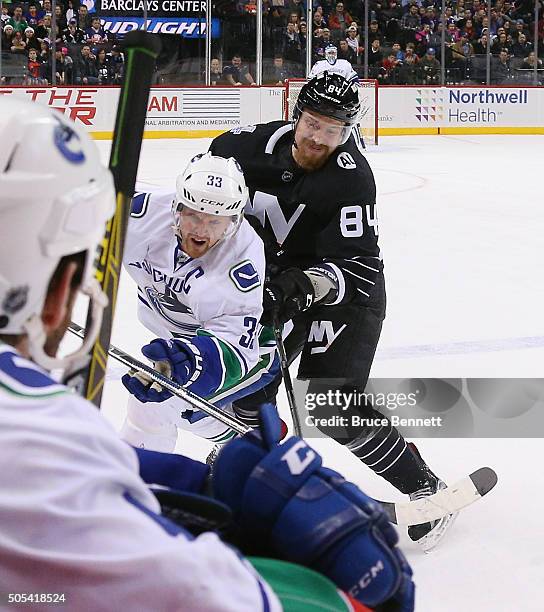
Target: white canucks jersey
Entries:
(341, 67)
(218, 295)
(77, 520)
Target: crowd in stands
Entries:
(84, 53)
(404, 41)
(405, 36)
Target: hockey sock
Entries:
(384, 450)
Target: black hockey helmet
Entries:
(330, 95)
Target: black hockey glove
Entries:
(288, 294)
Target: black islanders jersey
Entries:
(324, 219)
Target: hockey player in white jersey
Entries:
(333, 65)
(199, 267)
(78, 526)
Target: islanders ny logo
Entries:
(429, 105)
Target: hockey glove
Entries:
(310, 515)
(175, 359)
(288, 294)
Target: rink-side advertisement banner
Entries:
(186, 18)
(460, 109)
(171, 112)
(424, 408)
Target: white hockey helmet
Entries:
(331, 54)
(55, 198)
(212, 185)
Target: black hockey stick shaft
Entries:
(284, 367)
(201, 404)
(141, 50)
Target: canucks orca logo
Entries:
(167, 302)
(68, 143)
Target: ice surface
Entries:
(461, 231)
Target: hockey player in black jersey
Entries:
(313, 201)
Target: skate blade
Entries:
(432, 539)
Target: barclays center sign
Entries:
(182, 17)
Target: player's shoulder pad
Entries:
(139, 204)
(245, 276)
(247, 271)
(22, 378)
(351, 165)
(244, 141)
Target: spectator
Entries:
(85, 67)
(73, 35)
(296, 6)
(397, 50)
(387, 74)
(291, 43)
(103, 68)
(375, 55)
(61, 69)
(321, 42)
(408, 72)
(18, 21)
(500, 68)
(429, 18)
(277, 74)
(346, 52)
(521, 28)
(319, 21)
(34, 15)
(216, 73)
(60, 18)
(31, 41)
(34, 66)
(18, 45)
(435, 40)
(294, 18)
(430, 67)
(339, 20)
(529, 62)
(411, 20)
(117, 63)
(374, 32)
(480, 47)
(83, 18)
(95, 35)
(461, 51)
(43, 30)
(452, 33)
(4, 17)
(70, 13)
(7, 35)
(236, 73)
(469, 29)
(522, 47)
(422, 39)
(500, 42)
(43, 53)
(303, 37)
(354, 43)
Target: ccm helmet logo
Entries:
(212, 202)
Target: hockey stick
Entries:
(446, 501)
(141, 50)
(218, 413)
(284, 366)
(466, 491)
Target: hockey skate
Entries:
(429, 535)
